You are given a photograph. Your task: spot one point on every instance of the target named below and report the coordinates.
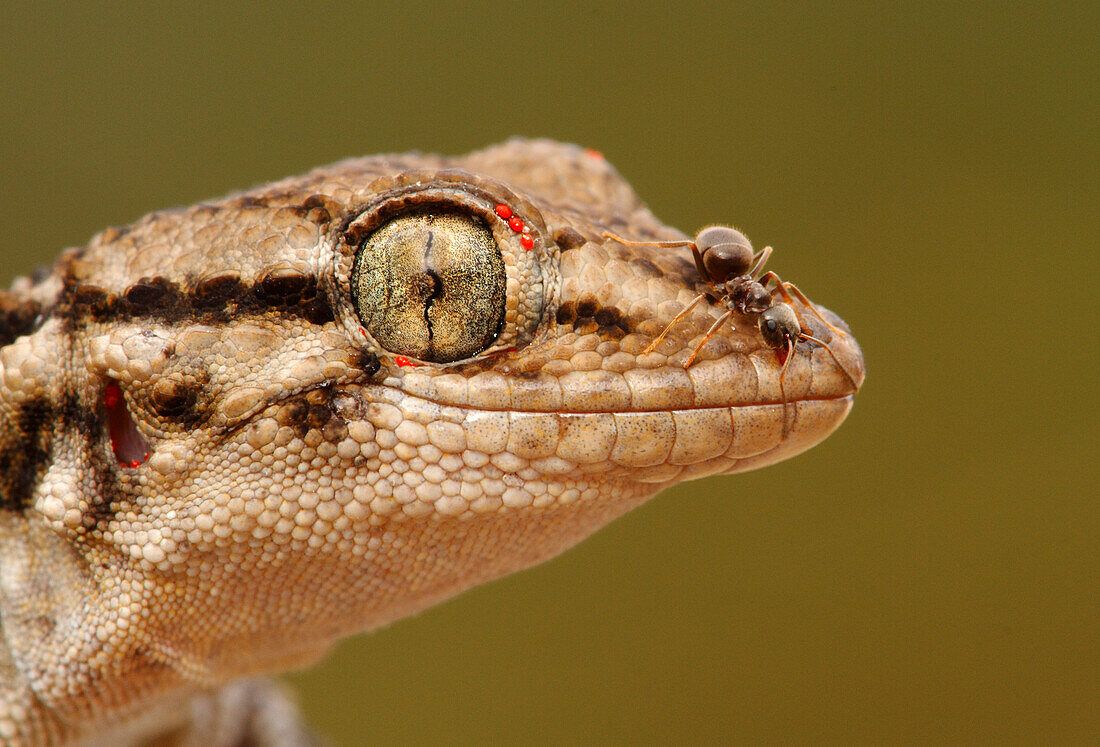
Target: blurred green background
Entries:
(929, 172)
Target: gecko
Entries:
(234, 433)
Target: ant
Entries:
(726, 262)
(781, 330)
(728, 265)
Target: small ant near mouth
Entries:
(727, 264)
(781, 330)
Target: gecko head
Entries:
(332, 401)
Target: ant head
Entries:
(725, 252)
(779, 325)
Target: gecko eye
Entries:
(431, 285)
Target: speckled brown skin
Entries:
(299, 484)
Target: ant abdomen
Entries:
(725, 252)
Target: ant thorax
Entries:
(747, 296)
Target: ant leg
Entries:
(662, 244)
(706, 338)
(758, 261)
(789, 291)
(793, 290)
(683, 312)
(836, 360)
(782, 389)
(780, 286)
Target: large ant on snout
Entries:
(732, 273)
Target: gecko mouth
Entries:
(645, 446)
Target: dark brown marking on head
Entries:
(313, 416)
(366, 361)
(24, 451)
(291, 294)
(608, 315)
(316, 208)
(587, 316)
(568, 238)
(213, 299)
(613, 332)
(18, 316)
(149, 296)
(318, 417)
(217, 290)
(567, 313)
(279, 287)
(335, 430)
(176, 400)
(586, 326)
(321, 210)
(106, 495)
(293, 413)
(90, 296)
(587, 305)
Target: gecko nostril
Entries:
(130, 447)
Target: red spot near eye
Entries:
(134, 464)
(515, 223)
(404, 362)
(504, 211)
(594, 154)
(363, 332)
(111, 395)
(526, 241)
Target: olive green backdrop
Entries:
(930, 571)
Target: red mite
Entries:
(504, 211)
(515, 223)
(526, 241)
(404, 362)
